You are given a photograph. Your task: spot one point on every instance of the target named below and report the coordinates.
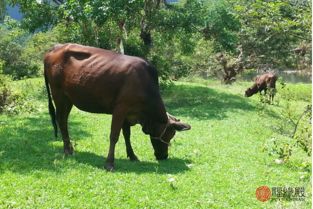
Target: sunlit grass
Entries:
(219, 163)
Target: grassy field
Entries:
(219, 163)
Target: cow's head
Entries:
(166, 131)
(249, 92)
(252, 90)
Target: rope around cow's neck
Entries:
(160, 137)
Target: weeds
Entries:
(293, 129)
(12, 100)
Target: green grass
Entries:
(219, 163)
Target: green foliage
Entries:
(5, 92)
(169, 35)
(296, 92)
(266, 98)
(16, 103)
(221, 25)
(103, 23)
(279, 146)
(297, 132)
(39, 43)
(270, 30)
(133, 45)
(294, 128)
(17, 62)
(168, 56)
(18, 98)
(36, 14)
(11, 100)
(303, 133)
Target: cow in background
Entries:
(263, 82)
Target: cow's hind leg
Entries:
(63, 108)
(129, 149)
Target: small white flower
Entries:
(189, 165)
(279, 161)
(171, 180)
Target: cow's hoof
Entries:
(109, 167)
(133, 158)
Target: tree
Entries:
(15, 58)
(231, 67)
(270, 33)
(122, 25)
(221, 25)
(270, 30)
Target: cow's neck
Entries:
(255, 88)
(155, 118)
(160, 112)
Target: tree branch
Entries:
(297, 123)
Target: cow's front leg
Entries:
(118, 117)
(129, 149)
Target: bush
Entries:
(13, 101)
(303, 131)
(295, 130)
(17, 64)
(280, 146)
(296, 92)
(5, 92)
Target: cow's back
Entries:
(96, 80)
(266, 80)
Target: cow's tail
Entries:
(51, 107)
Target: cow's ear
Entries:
(178, 126)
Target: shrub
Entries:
(13, 101)
(296, 92)
(303, 131)
(294, 131)
(17, 64)
(5, 92)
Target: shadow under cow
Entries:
(27, 144)
(169, 166)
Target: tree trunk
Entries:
(122, 35)
(2, 10)
(150, 7)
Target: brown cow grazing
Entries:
(263, 83)
(100, 81)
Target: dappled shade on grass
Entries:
(219, 163)
(203, 103)
(26, 143)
